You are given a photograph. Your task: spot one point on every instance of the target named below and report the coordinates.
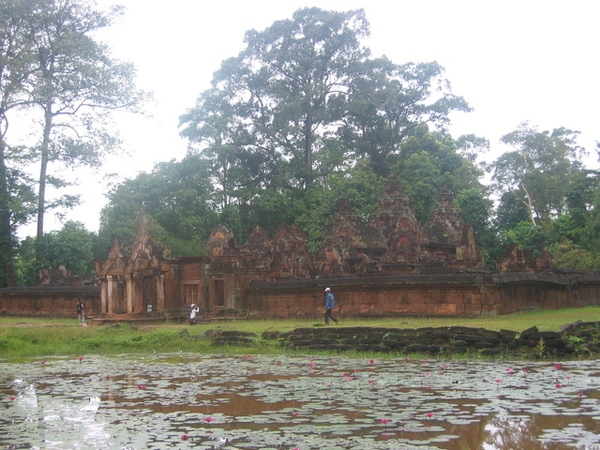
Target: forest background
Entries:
(302, 117)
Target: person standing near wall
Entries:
(193, 311)
(80, 308)
(329, 305)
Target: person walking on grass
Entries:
(329, 305)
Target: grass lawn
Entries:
(546, 320)
(24, 336)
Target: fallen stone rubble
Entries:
(573, 340)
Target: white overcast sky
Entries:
(512, 61)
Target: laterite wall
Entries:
(445, 295)
(59, 301)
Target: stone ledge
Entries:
(579, 339)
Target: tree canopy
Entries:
(304, 100)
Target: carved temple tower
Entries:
(134, 281)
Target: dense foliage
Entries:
(304, 116)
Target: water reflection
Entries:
(129, 401)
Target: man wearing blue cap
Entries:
(329, 307)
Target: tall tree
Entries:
(539, 170)
(385, 102)
(303, 101)
(76, 84)
(16, 73)
(276, 94)
(56, 74)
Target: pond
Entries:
(185, 400)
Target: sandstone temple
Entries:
(389, 266)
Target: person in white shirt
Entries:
(193, 311)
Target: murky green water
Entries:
(190, 401)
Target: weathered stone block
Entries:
(525, 334)
(439, 335)
(468, 338)
(481, 345)
(370, 340)
(270, 335)
(507, 336)
(555, 343)
(233, 341)
(234, 333)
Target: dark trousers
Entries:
(329, 315)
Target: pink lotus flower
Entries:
(442, 373)
(142, 387)
(42, 362)
(557, 385)
(371, 361)
(277, 363)
(184, 437)
(558, 366)
(295, 413)
(497, 381)
(385, 421)
(312, 366)
(12, 398)
(580, 393)
(208, 419)
(80, 358)
(429, 415)
(370, 381)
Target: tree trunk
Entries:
(308, 156)
(6, 237)
(44, 157)
(529, 204)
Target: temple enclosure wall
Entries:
(439, 295)
(52, 301)
(378, 296)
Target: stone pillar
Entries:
(160, 292)
(103, 289)
(129, 292)
(107, 295)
